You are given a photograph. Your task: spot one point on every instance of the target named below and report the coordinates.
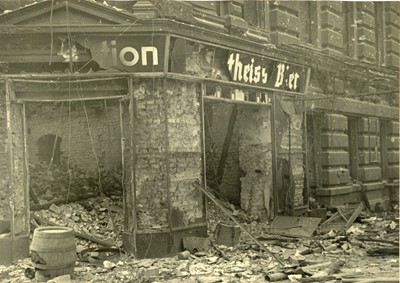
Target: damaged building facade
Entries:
(267, 103)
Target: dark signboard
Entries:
(248, 69)
(194, 58)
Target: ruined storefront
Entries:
(166, 105)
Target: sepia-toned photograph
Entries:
(199, 141)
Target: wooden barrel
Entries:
(53, 251)
(227, 234)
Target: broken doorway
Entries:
(290, 154)
(237, 129)
(73, 136)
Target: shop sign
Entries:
(244, 68)
(137, 54)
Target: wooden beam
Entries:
(225, 146)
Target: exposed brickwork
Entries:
(184, 136)
(13, 195)
(74, 129)
(5, 192)
(255, 160)
(168, 154)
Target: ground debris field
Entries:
(366, 252)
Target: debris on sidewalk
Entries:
(294, 226)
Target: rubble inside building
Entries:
(199, 141)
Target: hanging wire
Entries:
(51, 31)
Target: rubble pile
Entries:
(59, 182)
(99, 217)
(324, 257)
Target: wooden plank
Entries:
(354, 216)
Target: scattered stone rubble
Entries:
(58, 182)
(325, 257)
(100, 217)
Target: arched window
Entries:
(49, 148)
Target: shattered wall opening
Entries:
(80, 144)
(290, 132)
(238, 149)
(165, 159)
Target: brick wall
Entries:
(5, 192)
(13, 196)
(255, 159)
(168, 135)
(247, 178)
(101, 130)
(185, 148)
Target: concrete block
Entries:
(291, 7)
(335, 196)
(393, 142)
(334, 140)
(332, 5)
(331, 38)
(334, 158)
(376, 192)
(366, 52)
(393, 171)
(394, 189)
(392, 46)
(334, 122)
(392, 60)
(393, 156)
(279, 37)
(366, 20)
(372, 186)
(283, 21)
(366, 7)
(370, 173)
(392, 5)
(392, 31)
(394, 128)
(335, 176)
(236, 23)
(329, 19)
(332, 191)
(365, 35)
(391, 17)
